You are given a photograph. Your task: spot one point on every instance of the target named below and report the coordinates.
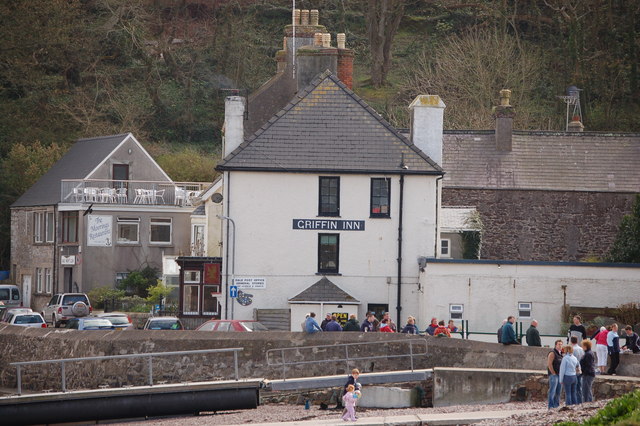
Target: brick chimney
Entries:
(427, 122)
(233, 123)
(503, 114)
(345, 62)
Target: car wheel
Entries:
(54, 323)
(80, 309)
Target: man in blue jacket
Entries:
(508, 332)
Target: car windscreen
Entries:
(165, 325)
(255, 326)
(4, 294)
(96, 324)
(207, 326)
(70, 299)
(118, 320)
(28, 319)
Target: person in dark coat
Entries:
(325, 321)
(533, 335)
(352, 324)
(588, 368)
(367, 324)
(632, 342)
(333, 325)
(508, 333)
(432, 327)
(410, 328)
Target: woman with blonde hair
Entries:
(569, 368)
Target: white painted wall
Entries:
(263, 206)
(491, 291)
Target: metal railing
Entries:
(107, 191)
(346, 359)
(149, 357)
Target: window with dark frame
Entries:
(380, 199)
(70, 227)
(329, 202)
(120, 173)
(160, 230)
(328, 253)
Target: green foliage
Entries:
(188, 164)
(157, 292)
(99, 295)
(622, 411)
(471, 241)
(137, 283)
(626, 247)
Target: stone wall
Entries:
(544, 225)
(536, 388)
(30, 344)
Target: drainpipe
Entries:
(54, 268)
(435, 252)
(227, 184)
(400, 211)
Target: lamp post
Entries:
(233, 257)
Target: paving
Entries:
(415, 419)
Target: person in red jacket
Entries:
(442, 330)
(385, 327)
(602, 351)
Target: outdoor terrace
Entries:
(104, 191)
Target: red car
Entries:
(232, 325)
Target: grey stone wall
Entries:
(31, 344)
(544, 225)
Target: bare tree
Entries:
(469, 70)
(383, 19)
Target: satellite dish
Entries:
(216, 198)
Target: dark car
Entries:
(232, 325)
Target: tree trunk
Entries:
(383, 19)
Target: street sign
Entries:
(233, 291)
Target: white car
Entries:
(29, 319)
(6, 314)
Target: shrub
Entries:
(99, 295)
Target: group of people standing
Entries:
(372, 324)
(574, 367)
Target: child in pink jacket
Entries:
(349, 399)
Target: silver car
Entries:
(62, 307)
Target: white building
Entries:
(328, 188)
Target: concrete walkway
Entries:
(414, 419)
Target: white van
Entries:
(10, 296)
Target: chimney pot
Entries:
(326, 40)
(296, 16)
(505, 94)
(341, 38)
(503, 114)
(317, 39)
(314, 17)
(575, 125)
(304, 17)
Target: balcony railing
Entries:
(130, 192)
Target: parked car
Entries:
(90, 323)
(232, 325)
(119, 320)
(163, 323)
(10, 296)
(12, 311)
(27, 319)
(65, 306)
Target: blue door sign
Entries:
(233, 291)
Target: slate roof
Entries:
(328, 128)
(589, 161)
(82, 158)
(324, 291)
